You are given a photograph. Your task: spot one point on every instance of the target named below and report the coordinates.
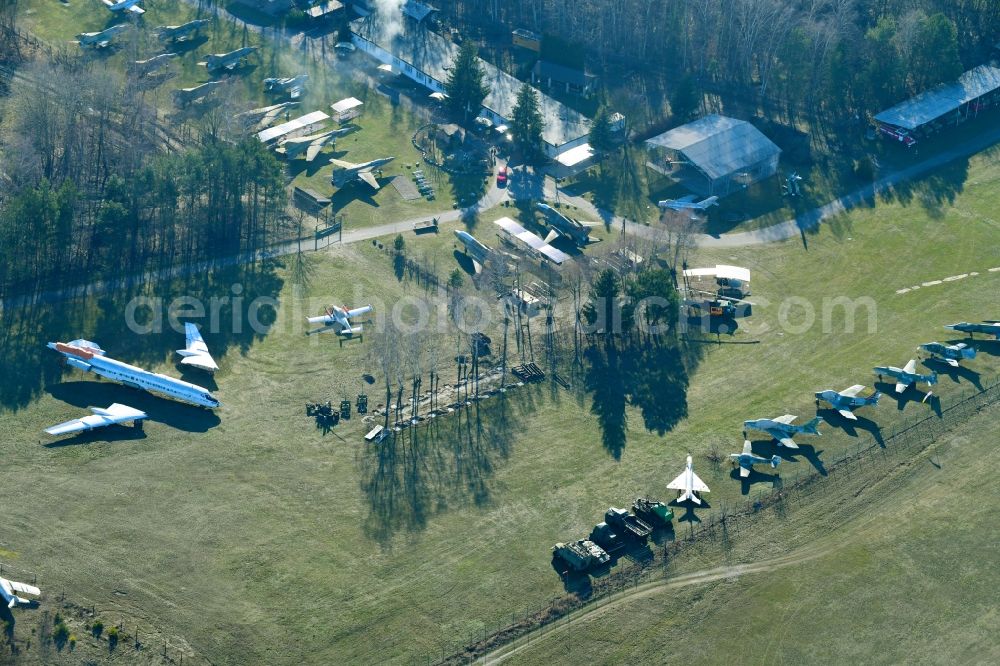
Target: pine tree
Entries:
(685, 100)
(526, 123)
(600, 131)
(464, 87)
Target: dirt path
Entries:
(612, 602)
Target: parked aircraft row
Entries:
(783, 428)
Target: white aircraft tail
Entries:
(689, 495)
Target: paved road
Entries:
(811, 219)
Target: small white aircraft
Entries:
(846, 401)
(122, 5)
(195, 352)
(338, 320)
(748, 459)
(688, 483)
(688, 203)
(782, 428)
(116, 413)
(906, 376)
(8, 589)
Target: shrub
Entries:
(72, 641)
(112, 637)
(97, 628)
(60, 633)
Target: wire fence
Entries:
(907, 437)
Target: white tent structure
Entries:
(714, 155)
(531, 243)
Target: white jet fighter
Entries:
(101, 417)
(195, 352)
(122, 5)
(688, 483)
(8, 588)
(338, 320)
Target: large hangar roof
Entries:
(942, 99)
(718, 145)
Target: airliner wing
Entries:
(698, 484)
(135, 9)
(786, 419)
(680, 483)
(852, 391)
(952, 362)
(910, 367)
(901, 386)
(847, 414)
(747, 447)
(552, 236)
(81, 424)
(369, 178)
(116, 413)
(119, 412)
(744, 472)
(342, 164)
(23, 588)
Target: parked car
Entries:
(502, 177)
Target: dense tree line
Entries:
(853, 55)
(94, 190)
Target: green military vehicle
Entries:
(655, 513)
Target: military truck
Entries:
(607, 538)
(655, 513)
(631, 526)
(581, 555)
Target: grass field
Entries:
(890, 571)
(250, 536)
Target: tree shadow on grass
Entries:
(933, 192)
(423, 471)
(645, 372)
